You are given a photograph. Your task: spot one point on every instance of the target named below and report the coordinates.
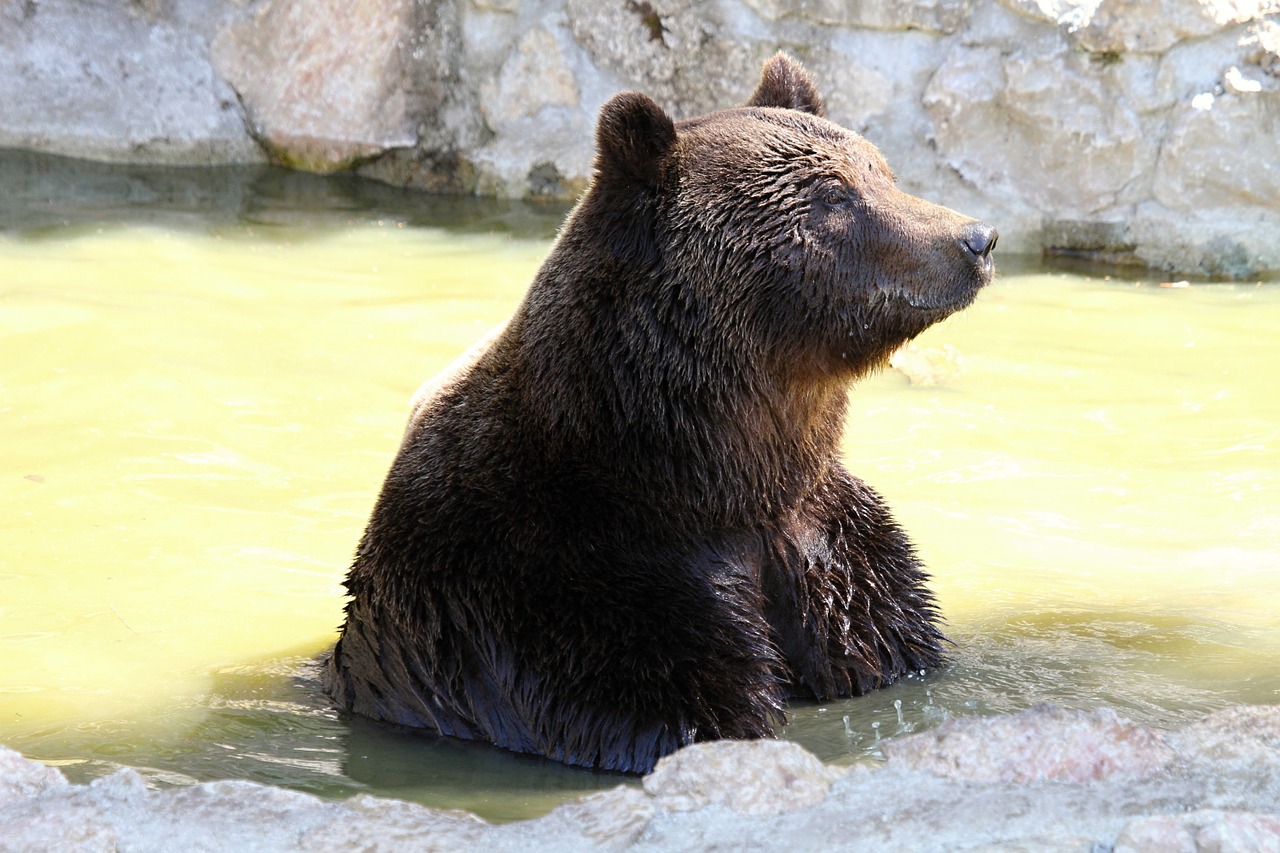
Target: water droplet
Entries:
(848, 729)
(897, 706)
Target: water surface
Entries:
(204, 380)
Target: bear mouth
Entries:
(942, 303)
(954, 295)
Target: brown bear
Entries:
(624, 525)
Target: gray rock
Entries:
(118, 81)
(1045, 743)
(21, 779)
(1206, 830)
(749, 777)
(933, 15)
(1047, 779)
(1124, 130)
(325, 82)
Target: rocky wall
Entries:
(1120, 129)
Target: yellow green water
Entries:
(196, 412)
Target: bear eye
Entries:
(833, 194)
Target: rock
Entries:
(535, 77)
(325, 82)
(750, 777)
(21, 778)
(118, 81)
(532, 107)
(374, 824)
(612, 819)
(1246, 733)
(1124, 26)
(1210, 830)
(1122, 130)
(1212, 169)
(1198, 172)
(1044, 779)
(684, 54)
(932, 15)
(1046, 743)
(1067, 140)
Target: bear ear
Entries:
(633, 138)
(784, 83)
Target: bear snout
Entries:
(980, 239)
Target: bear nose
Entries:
(980, 239)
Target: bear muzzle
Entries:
(948, 278)
(980, 240)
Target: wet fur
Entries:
(626, 527)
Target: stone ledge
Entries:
(1045, 779)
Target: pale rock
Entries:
(1221, 151)
(541, 139)
(613, 819)
(686, 55)
(1234, 82)
(123, 786)
(857, 96)
(1127, 26)
(1261, 46)
(38, 833)
(1213, 206)
(1041, 780)
(21, 777)
(534, 78)
(1040, 125)
(931, 15)
(378, 825)
(1069, 15)
(1131, 131)
(489, 35)
(1138, 26)
(1046, 743)
(749, 777)
(324, 81)
(1208, 831)
(118, 81)
(1248, 734)
(865, 78)
(1155, 834)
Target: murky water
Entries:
(203, 379)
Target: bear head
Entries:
(787, 227)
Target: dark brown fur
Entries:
(626, 526)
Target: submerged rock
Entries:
(1046, 779)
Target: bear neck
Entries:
(618, 377)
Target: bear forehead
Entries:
(769, 137)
